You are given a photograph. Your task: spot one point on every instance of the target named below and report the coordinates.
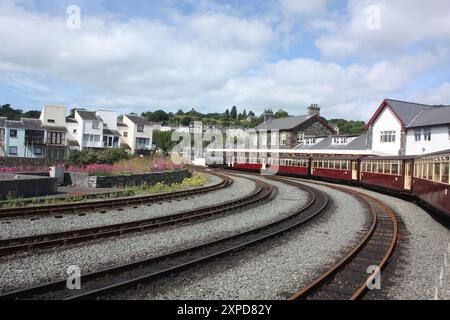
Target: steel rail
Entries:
(323, 287)
(9, 246)
(112, 280)
(93, 205)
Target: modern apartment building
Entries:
(136, 134)
(35, 138)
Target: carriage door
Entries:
(408, 175)
(354, 170)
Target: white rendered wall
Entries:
(439, 141)
(387, 121)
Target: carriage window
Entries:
(387, 167)
(344, 165)
(331, 164)
(380, 167)
(325, 164)
(445, 172)
(337, 165)
(395, 168)
(437, 172)
(429, 171)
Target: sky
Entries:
(137, 56)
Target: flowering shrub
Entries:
(133, 166)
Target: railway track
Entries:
(104, 283)
(262, 192)
(350, 277)
(95, 205)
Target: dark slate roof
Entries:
(55, 128)
(71, 120)
(433, 116)
(111, 132)
(121, 124)
(283, 123)
(88, 115)
(25, 123)
(407, 111)
(138, 120)
(2, 122)
(359, 143)
(73, 143)
(125, 146)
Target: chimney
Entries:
(313, 110)
(268, 115)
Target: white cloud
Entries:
(404, 23)
(438, 95)
(211, 59)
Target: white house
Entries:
(93, 130)
(406, 128)
(136, 134)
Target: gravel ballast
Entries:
(20, 227)
(36, 267)
(420, 268)
(275, 269)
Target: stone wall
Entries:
(166, 177)
(26, 186)
(27, 162)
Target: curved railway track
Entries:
(262, 192)
(109, 281)
(94, 205)
(350, 277)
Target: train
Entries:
(423, 179)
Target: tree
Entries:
(157, 116)
(251, 114)
(163, 140)
(186, 121)
(281, 114)
(227, 115)
(244, 114)
(179, 113)
(15, 114)
(233, 113)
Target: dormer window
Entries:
(95, 125)
(340, 140)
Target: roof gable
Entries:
(404, 111)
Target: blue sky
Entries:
(135, 56)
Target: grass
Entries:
(197, 180)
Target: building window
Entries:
(310, 141)
(13, 151)
(387, 136)
(56, 138)
(140, 128)
(125, 134)
(13, 133)
(2, 135)
(95, 125)
(38, 151)
(418, 134)
(283, 138)
(340, 141)
(427, 134)
(51, 121)
(91, 138)
(74, 131)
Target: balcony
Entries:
(34, 140)
(143, 147)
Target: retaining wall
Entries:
(166, 177)
(26, 186)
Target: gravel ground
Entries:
(420, 266)
(46, 265)
(20, 227)
(275, 269)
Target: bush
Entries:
(87, 157)
(111, 156)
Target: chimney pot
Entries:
(313, 110)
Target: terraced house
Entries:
(136, 134)
(35, 138)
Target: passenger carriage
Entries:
(387, 173)
(431, 181)
(343, 168)
(289, 165)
